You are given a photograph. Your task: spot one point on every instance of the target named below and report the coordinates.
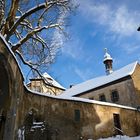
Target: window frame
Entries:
(102, 96)
(115, 96)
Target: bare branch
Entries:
(27, 63)
(18, 35)
(31, 31)
(30, 34)
(27, 25)
(41, 16)
(47, 5)
(2, 6)
(11, 16)
(32, 68)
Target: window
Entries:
(77, 115)
(102, 98)
(114, 96)
(91, 98)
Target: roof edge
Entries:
(136, 63)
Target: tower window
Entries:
(102, 98)
(114, 96)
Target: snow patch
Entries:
(20, 134)
(121, 138)
(52, 81)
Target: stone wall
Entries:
(95, 120)
(13, 80)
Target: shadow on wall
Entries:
(89, 120)
(4, 95)
(35, 127)
(63, 119)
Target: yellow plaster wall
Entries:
(136, 81)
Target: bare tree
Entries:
(30, 28)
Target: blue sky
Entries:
(98, 24)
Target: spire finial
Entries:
(105, 50)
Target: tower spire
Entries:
(108, 62)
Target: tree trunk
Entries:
(2, 7)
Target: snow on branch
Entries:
(30, 34)
(46, 6)
(28, 64)
(26, 14)
(11, 15)
(36, 31)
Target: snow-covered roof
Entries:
(99, 81)
(50, 81)
(107, 57)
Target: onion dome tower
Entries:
(108, 62)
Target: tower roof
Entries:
(107, 56)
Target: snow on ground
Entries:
(122, 138)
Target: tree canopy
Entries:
(32, 28)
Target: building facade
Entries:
(46, 84)
(120, 87)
